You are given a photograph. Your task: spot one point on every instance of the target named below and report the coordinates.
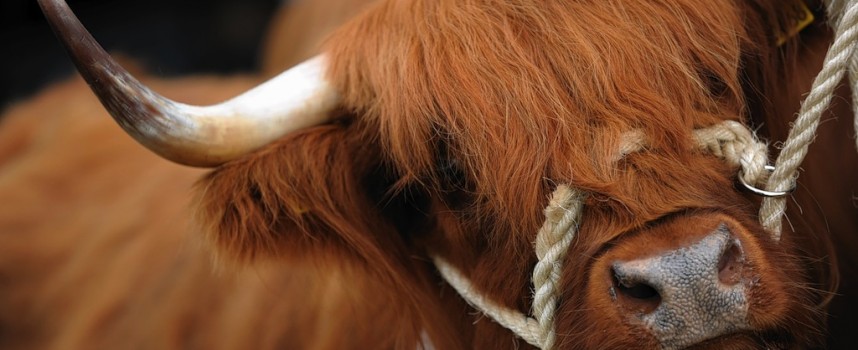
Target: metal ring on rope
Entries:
(761, 192)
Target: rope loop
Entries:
(734, 143)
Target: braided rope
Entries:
(836, 10)
(524, 327)
(631, 142)
(804, 128)
(734, 143)
(853, 83)
(552, 242)
(729, 140)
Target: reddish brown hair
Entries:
(460, 116)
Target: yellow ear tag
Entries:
(800, 16)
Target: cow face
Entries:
(487, 106)
(457, 120)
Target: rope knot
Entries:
(729, 140)
(737, 145)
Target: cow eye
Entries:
(448, 168)
(452, 174)
(716, 86)
(454, 185)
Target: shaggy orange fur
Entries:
(98, 249)
(296, 34)
(478, 108)
(459, 119)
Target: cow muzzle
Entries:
(689, 294)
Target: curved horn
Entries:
(192, 135)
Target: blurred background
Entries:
(168, 37)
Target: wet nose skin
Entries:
(697, 289)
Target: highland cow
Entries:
(437, 129)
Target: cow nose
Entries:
(687, 295)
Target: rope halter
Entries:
(729, 140)
(841, 57)
(552, 243)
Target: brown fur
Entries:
(296, 34)
(108, 258)
(483, 105)
(459, 118)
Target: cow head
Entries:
(455, 122)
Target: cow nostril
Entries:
(636, 296)
(730, 264)
(638, 291)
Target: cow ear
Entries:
(304, 194)
(775, 23)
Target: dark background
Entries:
(168, 37)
